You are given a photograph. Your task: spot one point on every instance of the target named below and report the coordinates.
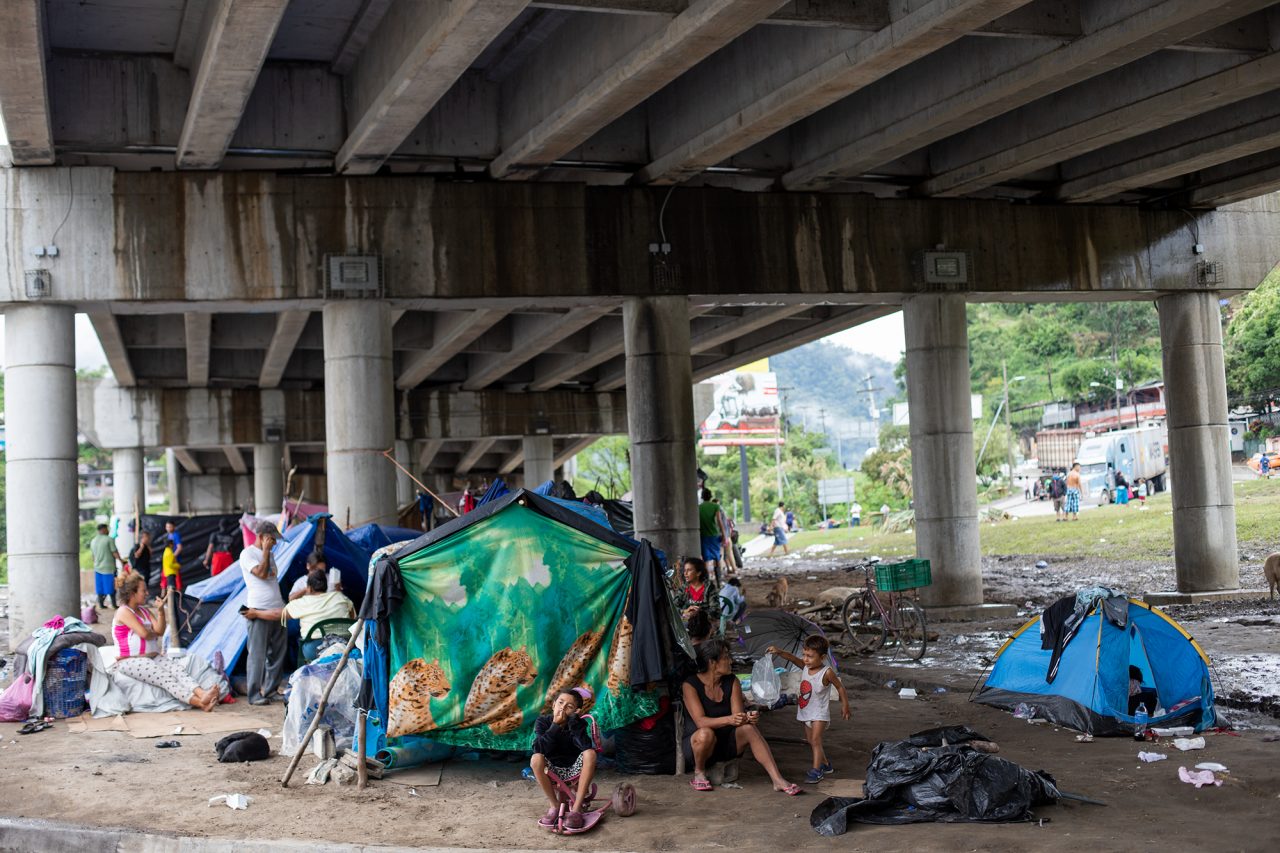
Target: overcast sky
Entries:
(883, 337)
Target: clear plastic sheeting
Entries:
(306, 686)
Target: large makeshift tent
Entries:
(227, 631)
(471, 628)
(1089, 688)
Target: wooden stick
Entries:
(679, 739)
(324, 702)
(362, 771)
(421, 485)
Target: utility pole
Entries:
(1008, 423)
(746, 483)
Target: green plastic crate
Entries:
(908, 574)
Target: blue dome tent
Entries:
(1089, 690)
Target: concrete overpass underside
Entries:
(479, 233)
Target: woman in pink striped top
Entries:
(137, 637)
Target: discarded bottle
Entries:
(1140, 721)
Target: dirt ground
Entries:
(79, 778)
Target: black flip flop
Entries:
(33, 727)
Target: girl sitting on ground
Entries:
(698, 592)
(562, 743)
(813, 706)
(137, 636)
(717, 725)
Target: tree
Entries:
(606, 467)
(1253, 345)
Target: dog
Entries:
(1271, 571)
(780, 595)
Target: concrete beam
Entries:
(428, 451)
(744, 100)
(362, 28)
(418, 51)
(24, 86)
(237, 37)
(236, 459)
(186, 52)
(554, 106)
(452, 332)
(532, 336)
(606, 344)
(714, 332)
(512, 462)
(472, 455)
(966, 86)
(1236, 181)
(108, 331)
(1148, 95)
(187, 460)
(289, 326)
(1222, 136)
(198, 326)
(573, 448)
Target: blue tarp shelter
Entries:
(371, 537)
(227, 631)
(1091, 690)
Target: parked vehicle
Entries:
(1138, 453)
(1056, 448)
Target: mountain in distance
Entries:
(824, 383)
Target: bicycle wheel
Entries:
(909, 628)
(863, 623)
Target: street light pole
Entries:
(1008, 423)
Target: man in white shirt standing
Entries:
(779, 524)
(268, 638)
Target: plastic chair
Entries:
(317, 633)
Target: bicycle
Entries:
(871, 620)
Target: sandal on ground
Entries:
(550, 818)
(700, 784)
(791, 790)
(813, 777)
(34, 726)
(574, 820)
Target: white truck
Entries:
(1138, 453)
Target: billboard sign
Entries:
(745, 410)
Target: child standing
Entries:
(813, 706)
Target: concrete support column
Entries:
(406, 491)
(40, 480)
(359, 412)
(173, 473)
(129, 493)
(660, 422)
(268, 478)
(539, 460)
(1204, 512)
(946, 496)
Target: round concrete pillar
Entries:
(268, 478)
(1195, 387)
(129, 493)
(406, 489)
(946, 496)
(660, 422)
(539, 455)
(40, 480)
(173, 473)
(359, 412)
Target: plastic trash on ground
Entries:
(1186, 743)
(907, 693)
(1024, 711)
(306, 686)
(1199, 778)
(1151, 757)
(1212, 766)
(233, 801)
(1174, 731)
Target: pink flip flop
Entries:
(700, 784)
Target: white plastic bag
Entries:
(766, 686)
(305, 688)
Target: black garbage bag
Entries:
(945, 736)
(953, 784)
(651, 752)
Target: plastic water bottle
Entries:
(1140, 721)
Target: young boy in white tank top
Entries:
(813, 705)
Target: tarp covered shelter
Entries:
(227, 631)
(473, 627)
(1089, 689)
(195, 531)
(371, 537)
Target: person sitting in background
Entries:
(698, 594)
(733, 604)
(698, 627)
(137, 636)
(314, 562)
(1139, 693)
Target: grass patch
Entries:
(1110, 532)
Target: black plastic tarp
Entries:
(195, 532)
(621, 517)
(920, 780)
